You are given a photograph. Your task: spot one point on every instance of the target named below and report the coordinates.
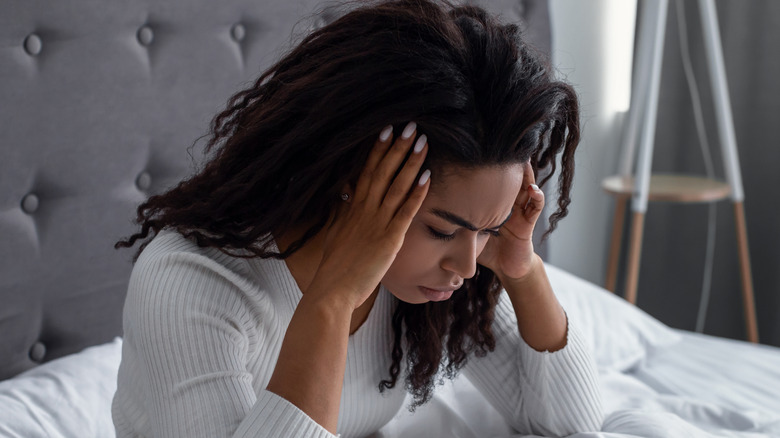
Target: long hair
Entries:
(284, 147)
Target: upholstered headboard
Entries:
(99, 102)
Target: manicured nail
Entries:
(533, 186)
(424, 177)
(418, 147)
(409, 130)
(385, 134)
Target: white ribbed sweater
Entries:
(203, 330)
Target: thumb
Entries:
(488, 254)
(535, 204)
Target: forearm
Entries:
(540, 318)
(310, 370)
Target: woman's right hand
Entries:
(368, 230)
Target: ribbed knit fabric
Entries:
(203, 330)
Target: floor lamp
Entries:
(676, 188)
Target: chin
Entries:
(411, 299)
(409, 294)
(416, 301)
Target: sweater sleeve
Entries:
(543, 393)
(188, 329)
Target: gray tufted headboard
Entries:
(99, 102)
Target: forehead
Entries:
(481, 195)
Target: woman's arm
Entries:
(538, 392)
(310, 370)
(359, 246)
(541, 375)
(511, 257)
(192, 326)
(540, 318)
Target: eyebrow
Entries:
(457, 220)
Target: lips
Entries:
(436, 294)
(442, 289)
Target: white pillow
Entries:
(620, 334)
(67, 397)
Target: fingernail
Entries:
(409, 130)
(424, 177)
(385, 134)
(418, 147)
(533, 186)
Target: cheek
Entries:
(418, 254)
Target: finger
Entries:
(522, 198)
(528, 174)
(387, 167)
(378, 152)
(403, 218)
(404, 181)
(528, 178)
(535, 203)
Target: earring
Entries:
(345, 196)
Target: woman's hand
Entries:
(369, 229)
(511, 254)
(540, 319)
(361, 242)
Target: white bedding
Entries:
(656, 382)
(728, 373)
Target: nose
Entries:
(462, 259)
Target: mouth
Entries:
(436, 294)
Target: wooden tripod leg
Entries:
(616, 239)
(634, 253)
(747, 278)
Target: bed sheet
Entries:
(726, 372)
(701, 386)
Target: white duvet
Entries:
(656, 382)
(633, 410)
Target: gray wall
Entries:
(675, 235)
(581, 50)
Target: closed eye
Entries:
(440, 236)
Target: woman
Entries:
(366, 216)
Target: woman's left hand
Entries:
(510, 255)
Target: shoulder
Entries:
(176, 283)
(170, 251)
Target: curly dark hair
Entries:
(284, 147)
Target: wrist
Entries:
(536, 268)
(326, 304)
(340, 286)
(333, 290)
(540, 318)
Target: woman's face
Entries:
(462, 209)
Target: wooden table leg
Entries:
(747, 278)
(634, 253)
(615, 243)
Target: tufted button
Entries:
(238, 32)
(145, 35)
(37, 352)
(143, 181)
(30, 203)
(33, 44)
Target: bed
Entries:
(656, 382)
(99, 102)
